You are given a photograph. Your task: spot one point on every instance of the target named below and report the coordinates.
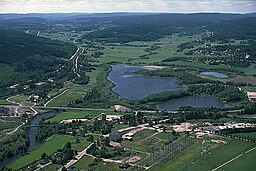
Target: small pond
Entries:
(214, 74)
(175, 104)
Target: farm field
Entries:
(121, 54)
(74, 91)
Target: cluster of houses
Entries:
(214, 128)
(211, 128)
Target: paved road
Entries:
(77, 157)
(75, 69)
(75, 54)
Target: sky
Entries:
(102, 6)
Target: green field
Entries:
(83, 143)
(191, 160)
(142, 135)
(167, 136)
(245, 163)
(75, 91)
(250, 134)
(251, 70)
(215, 157)
(49, 147)
(19, 98)
(134, 144)
(121, 54)
(77, 115)
(83, 163)
(180, 160)
(4, 102)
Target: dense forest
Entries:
(152, 27)
(27, 57)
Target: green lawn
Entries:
(49, 147)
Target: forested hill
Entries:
(18, 46)
(26, 57)
(152, 27)
(241, 28)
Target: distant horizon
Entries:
(126, 13)
(130, 6)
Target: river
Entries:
(33, 143)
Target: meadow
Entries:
(215, 156)
(135, 143)
(4, 102)
(191, 160)
(74, 91)
(245, 163)
(49, 147)
(182, 159)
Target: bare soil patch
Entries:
(134, 159)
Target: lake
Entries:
(175, 104)
(132, 87)
(214, 74)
